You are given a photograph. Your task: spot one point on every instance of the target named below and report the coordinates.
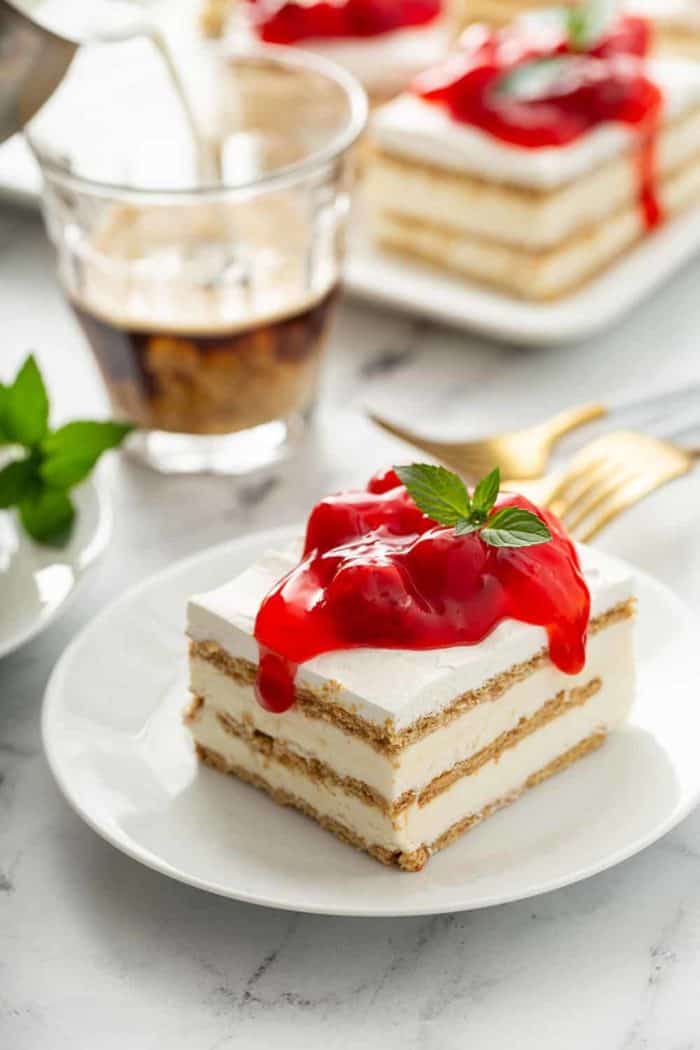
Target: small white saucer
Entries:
(115, 741)
(36, 582)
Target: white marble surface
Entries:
(97, 952)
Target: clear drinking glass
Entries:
(203, 266)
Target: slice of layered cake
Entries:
(397, 679)
(530, 164)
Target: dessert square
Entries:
(399, 750)
(532, 219)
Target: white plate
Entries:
(36, 582)
(116, 744)
(405, 285)
(412, 288)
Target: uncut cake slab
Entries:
(544, 176)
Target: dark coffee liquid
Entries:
(198, 382)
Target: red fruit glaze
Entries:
(378, 573)
(606, 83)
(288, 21)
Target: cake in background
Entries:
(384, 43)
(537, 154)
(432, 655)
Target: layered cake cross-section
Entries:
(529, 163)
(399, 680)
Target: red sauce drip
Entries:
(378, 573)
(605, 83)
(648, 196)
(289, 21)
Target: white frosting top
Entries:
(397, 685)
(386, 63)
(421, 131)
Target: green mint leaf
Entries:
(535, 79)
(486, 491)
(515, 527)
(16, 481)
(436, 491)
(464, 526)
(4, 437)
(25, 410)
(47, 515)
(71, 452)
(586, 22)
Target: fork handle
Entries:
(563, 422)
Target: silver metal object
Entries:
(38, 40)
(33, 61)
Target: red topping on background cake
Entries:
(288, 22)
(378, 573)
(529, 86)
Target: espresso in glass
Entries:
(207, 307)
(213, 381)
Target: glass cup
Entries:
(201, 252)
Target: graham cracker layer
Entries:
(564, 701)
(305, 765)
(591, 743)
(321, 773)
(283, 798)
(407, 861)
(322, 704)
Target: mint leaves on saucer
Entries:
(48, 463)
(444, 497)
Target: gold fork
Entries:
(605, 478)
(519, 453)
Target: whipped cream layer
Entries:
(414, 129)
(397, 686)
(385, 64)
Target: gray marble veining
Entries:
(98, 952)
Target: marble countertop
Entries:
(98, 952)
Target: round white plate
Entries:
(116, 744)
(36, 582)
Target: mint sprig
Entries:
(586, 22)
(444, 497)
(45, 464)
(535, 79)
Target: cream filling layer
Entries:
(535, 275)
(417, 130)
(610, 657)
(533, 221)
(417, 825)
